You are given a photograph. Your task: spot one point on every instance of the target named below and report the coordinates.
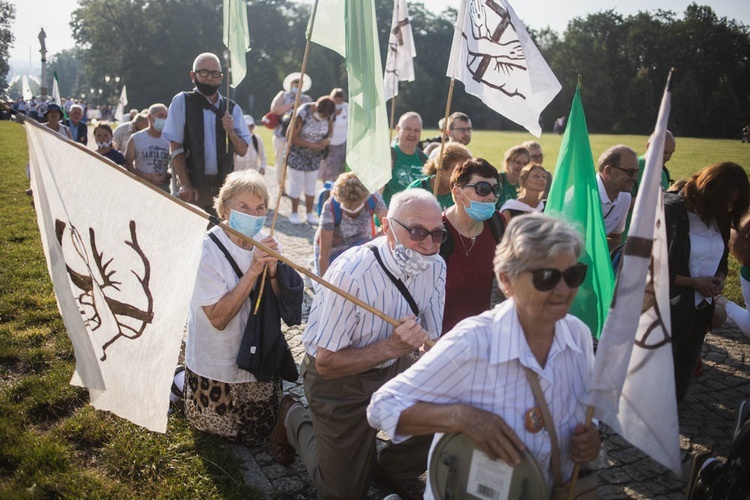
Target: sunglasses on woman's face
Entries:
(483, 188)
(419, 234)
(545, 280)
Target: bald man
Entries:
(197, 127)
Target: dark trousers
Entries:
(689, 327)
(335, 441)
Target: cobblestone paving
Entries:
(706, 416)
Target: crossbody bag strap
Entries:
(399, 284)
(226, 254)
(549, 424)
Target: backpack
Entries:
(337, 212)
(497, 226)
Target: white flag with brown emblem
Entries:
(123, 259)
(399, 65)
(632, 386)
(495, 58)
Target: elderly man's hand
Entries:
(188, 194)
(227, 122)
(490, 433)
(585, 444)
(408, 336)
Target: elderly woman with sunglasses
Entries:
(477, 380)
(474, 230)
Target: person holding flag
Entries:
(199, 122)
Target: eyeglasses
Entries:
(462, 130)
(632, 172)
(204, 73)
(483, 188)
(419, 233)
(545, 280)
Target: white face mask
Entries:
(352, 211)
(410, 261)
(159, 123)
(104, 145)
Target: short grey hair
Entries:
(613, 156)
(241, 181)
(411, 194)
(532, 145)
(534, 237)
(407, 115)
(77, 106)
(155, 107)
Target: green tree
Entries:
(7, 15)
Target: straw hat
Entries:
(306, 82)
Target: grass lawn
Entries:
(52, 443)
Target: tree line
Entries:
(623, 61)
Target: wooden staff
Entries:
(442, 137)
(229, 67)
(214, 220)
(289, 132)
(577, 468)
(393, 119)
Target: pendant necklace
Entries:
(461, 238)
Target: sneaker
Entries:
(312, 219)
(281, 450)
(294, 219)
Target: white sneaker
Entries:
(312, 219)
(294, 219)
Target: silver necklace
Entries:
(461, 238)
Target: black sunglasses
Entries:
(631, 172)
(545, 280)
(483, 188)
(419, 233)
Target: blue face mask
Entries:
(480, 210)
(339, 107)
(249, 225)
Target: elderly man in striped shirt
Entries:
(350, 353)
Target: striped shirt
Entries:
(479, 363)
(336, 323)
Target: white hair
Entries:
(403, 197)
(407, 115)
(534, 237)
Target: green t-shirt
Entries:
(445, 200)
(642, 167)
(510, 192)
(406, 169)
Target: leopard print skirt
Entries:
(243, 411)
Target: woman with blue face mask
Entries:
(233, 383)
(475, 228)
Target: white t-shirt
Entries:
(339, 126)
(615, 211)
(210, 352)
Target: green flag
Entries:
(236, 38)
(348, 27)
(574, 195)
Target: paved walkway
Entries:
(706, 416)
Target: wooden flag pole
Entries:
(289, 132)
(229, 68)
(393, 119)
(442, 137)
(577, 468)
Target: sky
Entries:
(54, 16)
